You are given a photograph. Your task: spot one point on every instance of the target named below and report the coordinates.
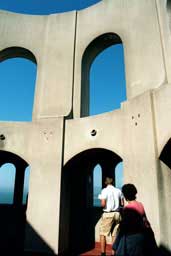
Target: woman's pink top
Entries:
(137, 206)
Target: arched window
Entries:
(17, 83)
(103, 75)
(7, 183)
(12, 172)
(119, 175)
(97, 184)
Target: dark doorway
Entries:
(78, 217)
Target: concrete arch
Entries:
(20, 165)
(59, 42)
(7, 156)
(77, 198)
(12, 217)
(95, 47)
(15, 51)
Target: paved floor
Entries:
(96, 251)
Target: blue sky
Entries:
(107, 79)
(45, 6)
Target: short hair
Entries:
(108, 180)
(129, 191)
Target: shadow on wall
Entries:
(11, 228)
(13, 216)
(165, 154)
(12, 232)
(165, 158)
(163, 251)
(34, 244)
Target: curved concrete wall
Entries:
(137, 132)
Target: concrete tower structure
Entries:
(62, 144)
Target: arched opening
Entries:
(7, 183)
(97, 184)
(97, 181)
(103, 76)
(15, 166)
(12, 216)
(18, 74)
(119, 175)
(77, 224)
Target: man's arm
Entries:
(121, 200)
(103, 198)
(103, 202)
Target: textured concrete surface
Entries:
(59, 144)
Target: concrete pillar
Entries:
(19, 185)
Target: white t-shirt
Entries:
(112, 196)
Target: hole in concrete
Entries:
(2, 137)
(93, 133)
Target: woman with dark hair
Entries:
(135, 237)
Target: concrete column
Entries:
(46, 147)
(19, 185)
(140, 155)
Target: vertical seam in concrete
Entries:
(154, 120)
(37, 92)
(74, 52)
(62, 165)
(162, 43)
(65, 118)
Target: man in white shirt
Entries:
(111, 200)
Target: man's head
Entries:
(109, 181)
